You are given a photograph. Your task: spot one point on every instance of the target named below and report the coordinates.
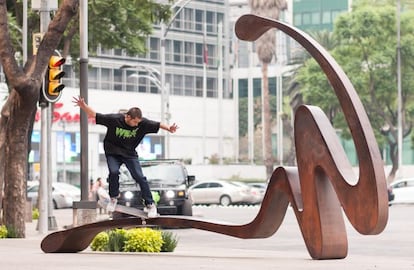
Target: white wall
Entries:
(186, 112)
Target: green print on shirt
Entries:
(125, 133)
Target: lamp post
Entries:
(153, 76)
(165, 91)
(399, 97)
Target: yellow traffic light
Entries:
(53, 85)
(55, 73)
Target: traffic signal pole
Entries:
(45, 139)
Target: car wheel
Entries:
(55, 206)
(225, 200)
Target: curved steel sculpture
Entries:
(322, 184)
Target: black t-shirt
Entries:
(121, 139)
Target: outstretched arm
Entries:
(173, 128)
(79, 101)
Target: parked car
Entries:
(217, 192)
(252, 194)
(63, 194)
(261, 186)
(403, 190)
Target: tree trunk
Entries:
(15, 171)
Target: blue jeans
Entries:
(114, 163)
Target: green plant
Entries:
(100, 242)
(116, 239)
(35, 213)
(3, 231)
(143, 240)
(170, 241)
(11, 232)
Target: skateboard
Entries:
(126, 210)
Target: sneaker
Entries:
(151, 210)
(111, 205)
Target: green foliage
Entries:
(35, 213)
(116, 239)
(100, 242)
(135, 240)
(11, 232)
(170, 241)
(143, 240)
(3, 231)
(123, 24)
(366, 42)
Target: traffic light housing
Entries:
(52, 89)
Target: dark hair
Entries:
(134, 112)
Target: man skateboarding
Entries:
(123, 135)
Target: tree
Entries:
(367, 52)
(128, 23)
(266, 52)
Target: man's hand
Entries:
(173, 128)
(79, 101)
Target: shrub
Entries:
(169, 241)
(135, 240)
(100, 242)
(11, 232)
(35, 213)
(3, 231)
(143, 240)
(116, 240)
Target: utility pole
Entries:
(43, 183)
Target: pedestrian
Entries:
(124, 133)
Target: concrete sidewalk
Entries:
(393, 249)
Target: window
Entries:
(326, 17)
(210, 22)
(178, 85)
(211, 87)
(199, 53)
(189, 52)
(199, 86)
(211, 55)
(220, 18)
(178, 21)
(297, 19)
(106, 79)
(177, 51)
(215, 185)
(118, 52)
(316, 18)
(199, 20)
(306, 18)
(189, 85)
(117, 79)
(203, 185)
(168, 51)
(154, 48)
(188, 19)
(131, 80)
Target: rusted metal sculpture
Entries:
(322, 184)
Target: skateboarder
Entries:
(123, 135)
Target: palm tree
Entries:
(265, 51)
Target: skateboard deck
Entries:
(125, 209)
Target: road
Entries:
(392, 249)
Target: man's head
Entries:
(133, 116)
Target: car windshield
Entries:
(166, 174)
